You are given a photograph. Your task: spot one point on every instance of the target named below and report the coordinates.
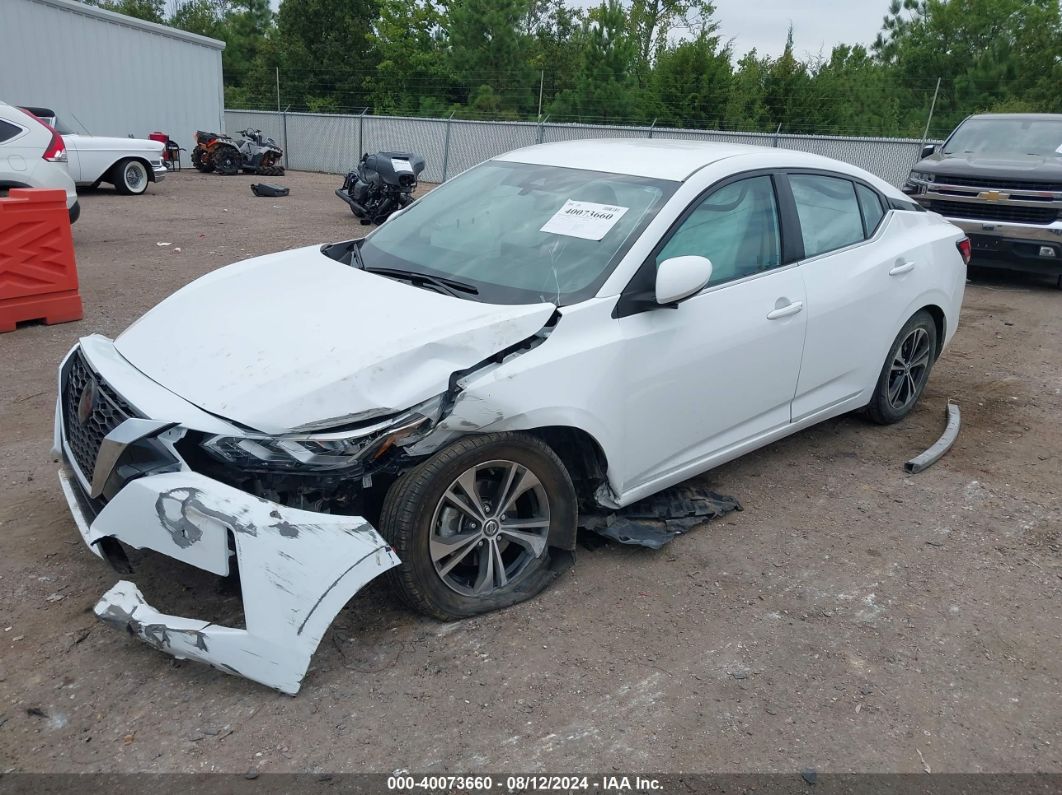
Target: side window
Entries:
(8, 130)
(736, 227)
(870, 204)
(828, 211)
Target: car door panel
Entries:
(709, 375)
(858, 299)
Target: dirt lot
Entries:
(852, 618)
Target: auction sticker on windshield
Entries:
(588, 220)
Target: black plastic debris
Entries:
(265, 189)
(656, 520)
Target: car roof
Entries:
(1019, 116)
(660, 158)
(640, 157)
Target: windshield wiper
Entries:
(442, 283)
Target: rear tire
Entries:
(130, 177)
(906, 370)
(226, 160)
(464, 554)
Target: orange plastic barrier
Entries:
(38, 272)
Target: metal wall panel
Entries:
(114, 75)
(333, 143)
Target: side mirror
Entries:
(928, 149)
(681, 277)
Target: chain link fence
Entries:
(333, 144)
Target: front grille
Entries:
(985, 211)
(993, 183)
(109, 411)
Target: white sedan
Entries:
(127, 163)
(581, 323)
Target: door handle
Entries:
(785, 311)
(903, 267)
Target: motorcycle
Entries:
(381, 184)
(253, 153)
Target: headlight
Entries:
(327, 451)
(921, 176)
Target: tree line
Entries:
(636, 62)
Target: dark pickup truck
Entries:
(999, 178)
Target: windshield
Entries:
(1041, 137)
(521, 233)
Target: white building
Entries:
(109, 74)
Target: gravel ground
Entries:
(852, 618)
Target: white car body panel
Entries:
(93, 156)
(21, 161)
(296, 341)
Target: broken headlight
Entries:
(327, 451)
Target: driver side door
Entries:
(706, 379)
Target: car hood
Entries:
(296, 341)
(108, 143)
(1033, 168)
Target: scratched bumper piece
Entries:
(297, 571)
(655, 521)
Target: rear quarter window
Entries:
(870, 204)
(8, 130)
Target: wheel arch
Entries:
(940, 320)
(110, 174)
(582, 455)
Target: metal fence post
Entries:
(651, 126)
(446, 147)
(287, 149)
(361, 135)
(542, 129)
(775, 139)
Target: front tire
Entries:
(472, 524)
(130, 177)
(906, 370)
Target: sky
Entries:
(817, 24)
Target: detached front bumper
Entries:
(297, 569)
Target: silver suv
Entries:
(999, 178)
(32, 155)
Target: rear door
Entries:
(861, 271)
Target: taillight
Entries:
(56, 151)
(965, 250)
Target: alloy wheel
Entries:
(489, 524)
(910, 368)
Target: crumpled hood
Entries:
(297, 339)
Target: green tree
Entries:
(150, 10)
(409, 40)
(690, 83)
(606, 84)
(488, 47)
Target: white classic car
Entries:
(127, 163)
(569, 326)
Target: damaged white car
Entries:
(569, 326)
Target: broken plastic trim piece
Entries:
(940, 446)
(297, 570)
